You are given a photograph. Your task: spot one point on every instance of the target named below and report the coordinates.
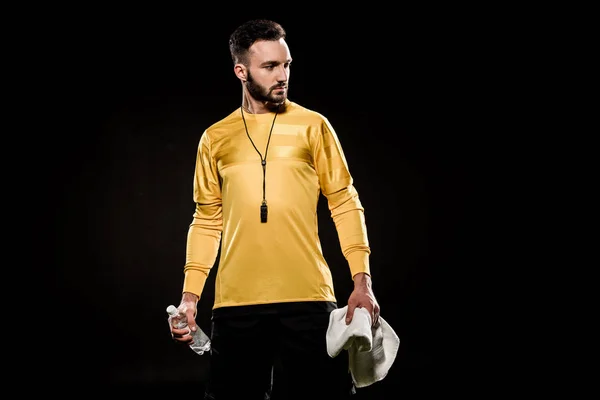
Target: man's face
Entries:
(269, 71)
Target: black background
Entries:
(128, 97)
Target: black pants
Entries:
(278, 357)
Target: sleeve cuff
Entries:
(194, 282)
(359, 262)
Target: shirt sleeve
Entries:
(204, 233)
(344, 204)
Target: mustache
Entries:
(279, 87)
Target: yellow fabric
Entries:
(280, 260)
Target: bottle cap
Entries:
(172, 310)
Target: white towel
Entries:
(371, 349)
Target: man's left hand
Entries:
(362, 296)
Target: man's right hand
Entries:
(188, 305)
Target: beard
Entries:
(263, 94)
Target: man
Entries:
(259, 173)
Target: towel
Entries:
(371, 349)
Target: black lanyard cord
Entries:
(263, 161)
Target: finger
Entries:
(349, 314)
(376, 319)
(376, 313)
(180, 332)
(182, 339)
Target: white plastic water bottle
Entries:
(201, 342)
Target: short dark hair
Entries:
(249, 32)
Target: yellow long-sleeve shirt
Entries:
(279, 261)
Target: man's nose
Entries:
(282, 76)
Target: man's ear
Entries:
(240, 71)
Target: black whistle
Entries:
(263, 212)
